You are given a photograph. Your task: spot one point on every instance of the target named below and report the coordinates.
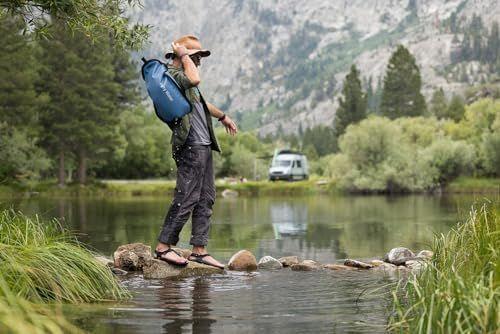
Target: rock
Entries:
(357, 264)
(306, 265)
(425, 254)
(287, 261)
(132, 257)
(161, 269)
(269, 262)
(398, 253)
(415, 266)
(185, 253)
(402, 261)
(377, 263)
(334, 266)
(385, 267)
(228, 193)
(118, 271)
(104, 260)
(243, 260)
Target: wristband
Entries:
(222, 118)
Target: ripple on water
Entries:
(280, 302)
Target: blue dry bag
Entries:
(168, 98)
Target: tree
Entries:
(19, 100)
(401, 94)
(493, 45)
(352, 106)
(88, 17)
(456, 108)
(439, 105)
(84, 112)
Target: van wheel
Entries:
(305, 177)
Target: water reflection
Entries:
(321, 228)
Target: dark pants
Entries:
(194, 192)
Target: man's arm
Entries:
(223, 118)
(190, 69)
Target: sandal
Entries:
(158, 255)
(200, 259)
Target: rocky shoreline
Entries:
(137, 257)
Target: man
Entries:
(193, 140)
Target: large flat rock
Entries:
(161, 269)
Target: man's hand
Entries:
(179, 49)
(229, 125)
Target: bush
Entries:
(408, 154)
(20, 157)
(449, 159)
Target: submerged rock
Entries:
(104, 260)
(385, 267)
(357, 264)
(161, 269)
(306, 265)
(228, 193)
(416, 266)
(269, 262)
(334, 266)
(132, 257)
(118, 271)
(398, 254)
(425, 254)
(242, 260)
(287, 261)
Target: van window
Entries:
(282, 163)
(298, 164)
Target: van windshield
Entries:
(282, 163)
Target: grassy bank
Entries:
(42, 266)
(459, 291)
(468, 185)
(250, 188)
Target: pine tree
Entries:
(83, 116)
(456, 108)
(493, 45)
(19, 101)
(439, 105)
(401, 94)
(352, 105)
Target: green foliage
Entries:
(407, 154)
(20, 156)
(352, 106)
(439, 104)
(87, 17)
(401, 94)
(456, 108)
(41, 262)
(19, 100)
(458, 291)
(18, 316)
(321, 138)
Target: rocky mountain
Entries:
(278, 65)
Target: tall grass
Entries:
(19, 316)
(40, 262)
(459, 290)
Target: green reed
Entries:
(41, 262)
(458, 291)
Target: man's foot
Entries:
(170, 256)
(201, 256)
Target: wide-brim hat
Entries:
(192, 45)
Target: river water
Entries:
(323, 228)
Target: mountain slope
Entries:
(278, 64)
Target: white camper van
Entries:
(288, 165)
